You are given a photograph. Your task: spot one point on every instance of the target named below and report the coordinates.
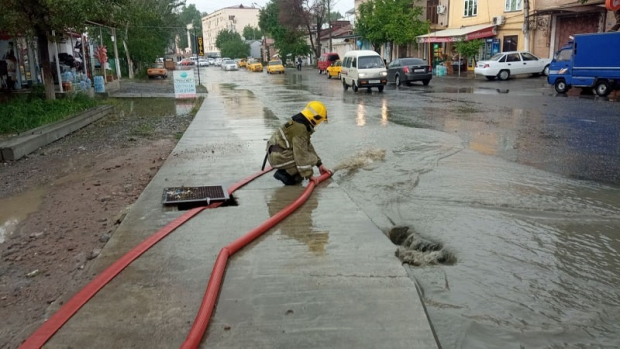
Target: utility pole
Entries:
(526, 24)
(197, 59)
(329, 23)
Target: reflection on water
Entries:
(361, 114)
(145, 107)
(384, 113)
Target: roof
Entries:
(337, 33)
(459, 34)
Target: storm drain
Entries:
(194, 195)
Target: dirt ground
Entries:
(61, 204)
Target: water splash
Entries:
(361, 159)
(416, 250)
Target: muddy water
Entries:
(17, 208)
(537, 252)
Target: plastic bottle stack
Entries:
(99, 84)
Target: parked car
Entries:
(363, 69)
(255, 65)
(225, 59)
(333, 70)
(229, 65)
(326, 60)
(505, 64)
(275, 66)
(211, 61)
(242, 63)
(157, 70)
(187, 62)
(407, 70)
(203, 62)
(218, 62)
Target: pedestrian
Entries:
(617, 25)
(289, 149)
(298, 63)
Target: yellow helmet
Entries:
(315, 112)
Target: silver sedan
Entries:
(229, 64)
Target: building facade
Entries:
(233, 18)
(552, 22)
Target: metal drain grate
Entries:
(207, 194)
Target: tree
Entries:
(469, 48)
(231, 45)
(252, 33)
(189, 15)
(311, 14)
(48, 20)
(287, 40)
(390, 21)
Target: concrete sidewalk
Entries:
(326, 277)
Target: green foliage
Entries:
(333, 16)
(383, 21)
(21, 113)
(252, 33)
(468, 48)
(286, 40)
(189, 15)
(231, 45)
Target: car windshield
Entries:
(229, 61)
(157, 65)
(496, 57)
(370, 62)
(275, 63)
(412, 61)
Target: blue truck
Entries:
(589, 61)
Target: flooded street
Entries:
(521, 186)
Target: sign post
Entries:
(184, 84)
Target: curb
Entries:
(29, 141)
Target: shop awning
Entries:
(574, 8)
(459, 34)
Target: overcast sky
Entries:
(213, 5)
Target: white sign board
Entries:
(184, 84)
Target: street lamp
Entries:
(188, 27)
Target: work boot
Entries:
(286, 178)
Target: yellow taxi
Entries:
(242, 63)
(333, 71)
(275, 66)
(254, 65)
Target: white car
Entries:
(203, 62)
(505, 64)
(229, 64)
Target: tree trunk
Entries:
(129, 62)
(44, 56)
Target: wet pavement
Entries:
(520, 184)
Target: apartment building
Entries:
(233, 18)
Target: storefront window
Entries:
(471, 8)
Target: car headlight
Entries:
(562, 71)
(383, 73)
(361, 75)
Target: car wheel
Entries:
(545, 71)
(490, 78)
(602, 88)
(503, 75)
(426, 82)
(380, 88)
(328, 76)
(344, 85)
(339, 78)
(397, 80)
(354, 85)
(561, 86)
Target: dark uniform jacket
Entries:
(289, 147)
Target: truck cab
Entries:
(589, 61)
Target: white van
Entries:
(363, 69)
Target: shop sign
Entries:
(184, 84)
(201, 47)
(484, 33)
(428, 39)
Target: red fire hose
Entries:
(213, 287)
(51, 326)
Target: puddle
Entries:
(16, 208)
(471, 90)
(148, 107)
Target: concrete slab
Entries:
(17, 147)
(325, 277)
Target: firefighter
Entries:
(289, 149)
